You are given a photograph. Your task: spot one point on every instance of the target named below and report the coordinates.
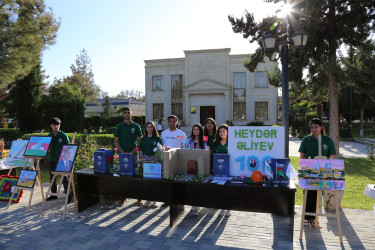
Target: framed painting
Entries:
(15, 156)
(38, 146)
(6, 188)
(66, 159)
(27, 178)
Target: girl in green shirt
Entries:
(210, 129)
(146, 149)
(310, 148)
(220, 146)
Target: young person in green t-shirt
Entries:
(127, 136)
(220, 146)
(59, 138)
(210, 129)
(146, 149)
(310, 148)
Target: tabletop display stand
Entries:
(38, 178)
(62, 175)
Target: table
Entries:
(242, 197)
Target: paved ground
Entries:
(109, 225)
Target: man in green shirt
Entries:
(127, 136)
(59, 138)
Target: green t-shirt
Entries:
(127, 135)
(211, 139)
(57, 143)
(148, 144)
(309, 146)
(220, 149)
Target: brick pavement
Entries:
(110, 225)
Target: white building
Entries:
(209, 83)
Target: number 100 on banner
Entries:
(250, 148)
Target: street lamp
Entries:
(299, 39)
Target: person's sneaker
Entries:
(228, 213)
(51, 198)
(222, 212)
(140, 203)
(147, 204)
(306, 222)
(123, 201)
(155, 205)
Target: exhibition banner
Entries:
(251, 147)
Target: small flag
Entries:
(279, 171)
(205, 138)
(268, 171)
(291, 173)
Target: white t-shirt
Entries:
(172, 139)
(159, 126)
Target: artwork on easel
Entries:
(38, 146)
(66, 159)
(27, 178)
(15, 156)
(6, 188)
(321, 174)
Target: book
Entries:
(126, 164)
(237, 179)
(279, 168)
(100, 162)
(220, 164)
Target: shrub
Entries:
(255, 123)
(85, 154)
(10, 134)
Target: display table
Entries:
(4, 169)
(242, 197)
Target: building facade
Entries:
(209, 83)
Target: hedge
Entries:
(10, 134)
(103, 140)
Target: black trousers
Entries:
(311, 203)
(52, 166)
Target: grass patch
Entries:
(358, 173)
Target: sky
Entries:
(119, 35)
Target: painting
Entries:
(6, 188)
(38, 146)
(27, 178)
(321, 174)
(193, 109)
(15, 155)
(66, 159)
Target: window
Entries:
(261, 80)
(239, 96)
(176, 95)
(157, 111)
(261, 111)
(157, 83)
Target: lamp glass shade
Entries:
(299, 39)
(269, 42)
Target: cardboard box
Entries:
(175, 161)
(126, 164)
(220, 164)
(100, 162)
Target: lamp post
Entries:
(299, 39)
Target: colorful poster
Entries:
(6, 188)
(252, 148)
(327, 174)
(27, 178)
(38, 146)
(15, 155)
(152, 170)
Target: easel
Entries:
(38, 178)
(60, 194)
(318, 210)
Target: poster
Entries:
(327, 174)
(251, 147)
(15, 155)
(66, 158)
(38, 146)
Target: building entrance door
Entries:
(206, 112)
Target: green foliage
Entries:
(106, 107)
(255, 123)
(27, 28)
(66, 102)
(107, 124)
(83, 77)
(85, 154)
(10, 134)
(23, 99)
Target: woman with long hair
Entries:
(220, 146)
(196, 137)
(309, 149)
(210, 129)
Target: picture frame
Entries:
(38, 146)
(6, 184)
(27, 178)
(67, 157)
(193, 109)
(15, 156)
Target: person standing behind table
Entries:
(220, 146)
(59, 138)
(310, 148)
(127, 136)
(160, 126)
(210, 129)
(146, 149)
(172, 137)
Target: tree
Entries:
(106, 108)
(66, 102)
(26, 29)
(329, 24)
(83, 77)
(23, 99)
